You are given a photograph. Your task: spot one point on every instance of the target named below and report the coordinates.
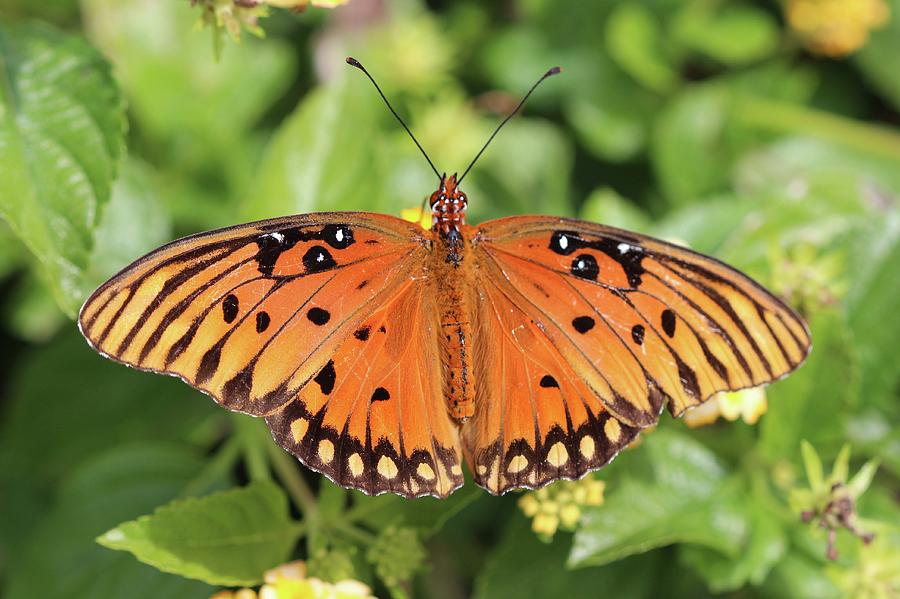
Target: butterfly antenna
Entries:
(550, 73)
(355, 63)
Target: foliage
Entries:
(728, 126)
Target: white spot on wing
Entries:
(624, 248)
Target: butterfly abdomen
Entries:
(451, 265)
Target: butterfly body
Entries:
(383, 355)
(451, 269)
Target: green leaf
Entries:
(196, 118)
(875, 58)
(632, 38)
(322, 157)
(813, 466)
(606, 206)
(86, 405)
(813, 403)
(526, 170)
(609, 111)
(156, 42)
(871, 305)
(764, 545)
(62, 130)
(730, 34)
(229, 538)
(506, 572)
(134, 222)
(796, 575)
(671, 490)
(60, 560)
(689, 150)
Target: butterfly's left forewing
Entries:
(268, 319)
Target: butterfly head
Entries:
(448, 206)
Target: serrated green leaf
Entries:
(230, 538)
(61, 136)
(671, 490)
(59, 560)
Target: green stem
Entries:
(789, 118)
(357, 534)
(286, 469)
(254, 447)
(397, 591)
(216, 469)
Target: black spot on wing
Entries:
(585, 266)
(637, 334)
(317, 259)
(338, 236)
(262, 321)
(380, 394)
(583, 324)
(629, 255)
(326, 378)
(561, 242)
(230, 307)
(318, 316)
(274, 243)
(668, 322)
(362, 333)
(548, 382)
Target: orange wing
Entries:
(635, 322)
(535, 419)
(376, 419)
(265, 318)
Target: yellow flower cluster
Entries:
(289, 581)
(559, 505)
(836, 28)
(748, 404)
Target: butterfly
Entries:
(383, 355)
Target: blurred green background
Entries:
(764, 133)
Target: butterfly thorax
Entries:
(451, 266)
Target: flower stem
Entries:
(286, 469)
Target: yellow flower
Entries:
(417, 215)
(836, 28)
(748, 404)
(289, 581)
(559, 505)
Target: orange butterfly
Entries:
(380, 353)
